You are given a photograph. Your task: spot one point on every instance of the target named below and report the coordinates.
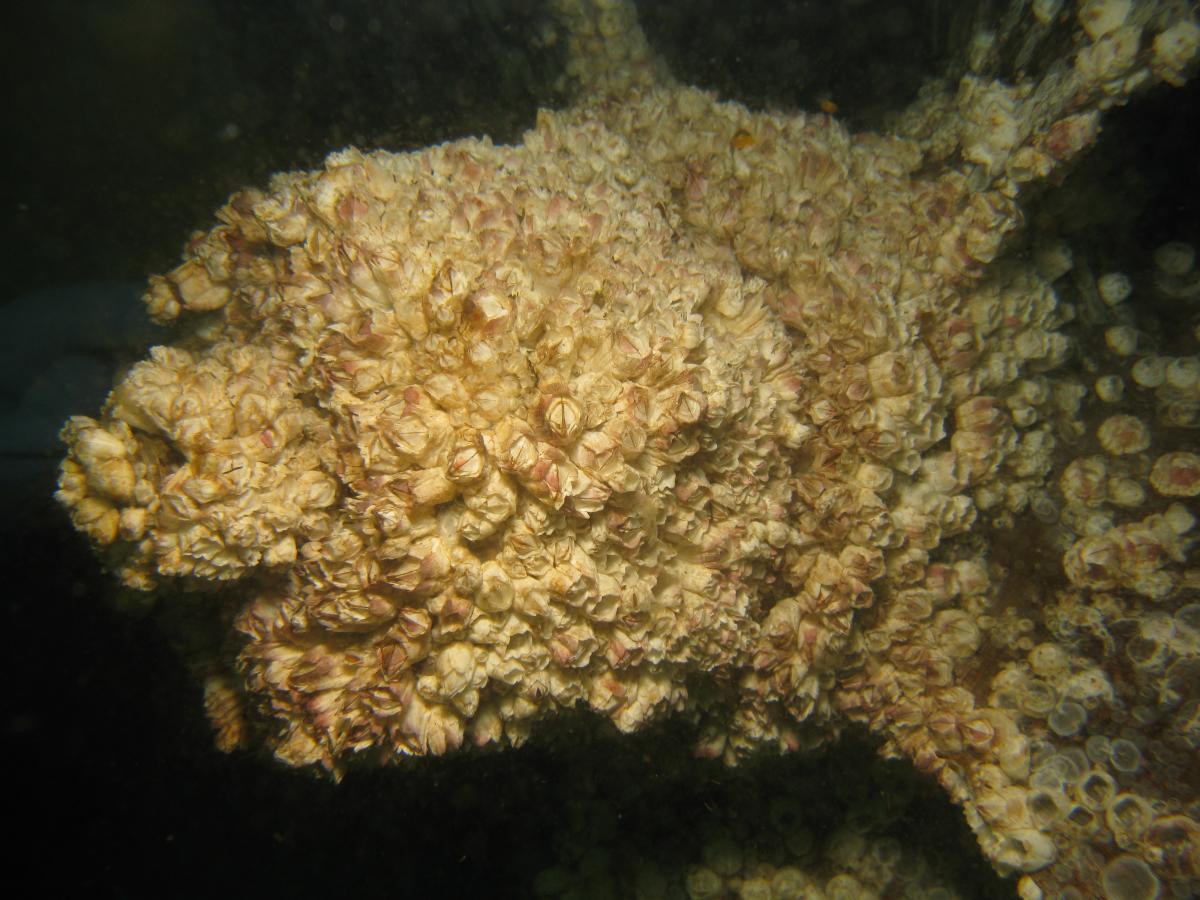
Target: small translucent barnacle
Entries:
(1026, 850)
(1090, 687)
(1037, 698)
(1049, 660)
(1127, 816)
(1081, 817)
(1187, 622)
(1175, 258)
(1114, 287)
(1147, 652)
(1053, 259)
(1044, 508)
(790, 881)
(886, 853)
(1076, 758)
(702, 883)
(1097, 789)
(1125, 756)
(1109, 388)
(844, 886)
(1047, 807)
(1067, 718)
(1149, 371)
(1121, 339)
(1129, 878)
(1183, 373)
(1097, 747)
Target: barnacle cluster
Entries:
(676, 406)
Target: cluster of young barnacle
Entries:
(1137, 555)
(206, 467)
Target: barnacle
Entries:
(676, 405)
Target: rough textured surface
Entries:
(676, 406)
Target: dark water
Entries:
(129, 124)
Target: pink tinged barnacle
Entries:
(955, 633)
(466, 464)
(487, 312)
(689, 407)
(978, 733)
(982, 414)
(551, 477)
(1176, 474)
(519, 455)
(1084, 481)
(1068, 136)
(1123, 434)
(351, 207)
(563, 418)
(393, 659)
(632, 352)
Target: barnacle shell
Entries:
(1176, 474)
(1114, 287)
(1175, 258)
(1101, 17)
(1109, 388)
(1123, 434)
(1121, 339)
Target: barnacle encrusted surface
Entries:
(673, 406)
(494, 429)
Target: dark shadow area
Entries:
(130, 122)
(861, 60)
